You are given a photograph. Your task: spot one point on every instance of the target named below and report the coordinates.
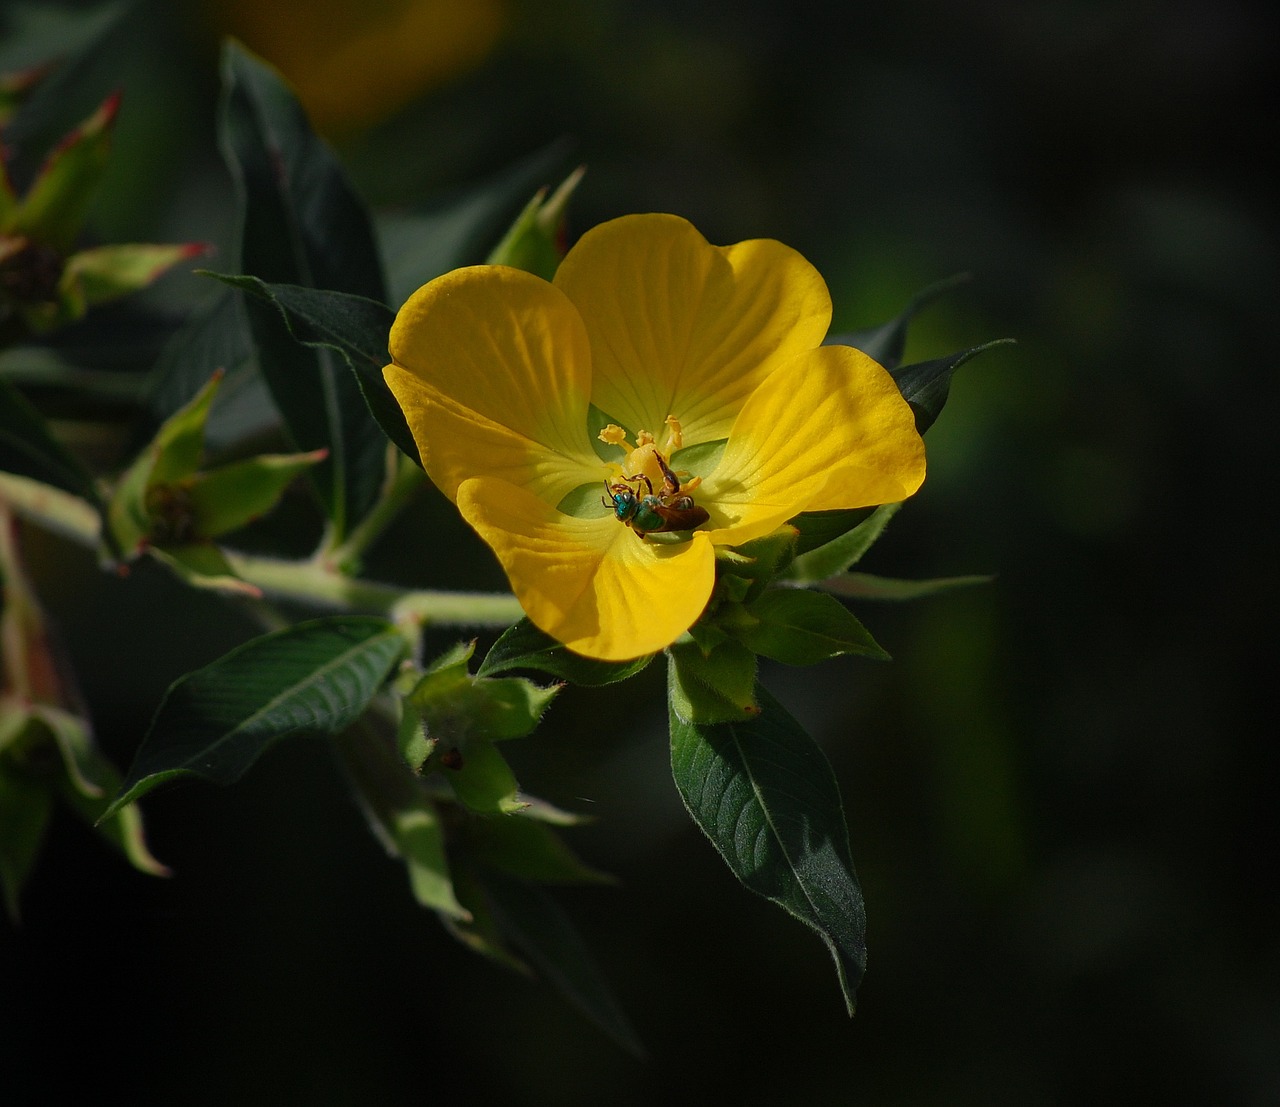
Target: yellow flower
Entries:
(664, 341)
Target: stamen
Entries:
(614, 435)
(675, 435)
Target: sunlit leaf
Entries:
(717, 686)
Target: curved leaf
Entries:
(524, 646)
(313, 678)
(302, 224)
(840, 553)
(887, 342)
(765, 795)
(926, 384)
(352, 326)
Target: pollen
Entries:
(645, 459)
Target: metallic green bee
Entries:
(667, 510)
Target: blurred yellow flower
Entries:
(667, 343)
(354, 62)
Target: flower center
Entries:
(649, 495)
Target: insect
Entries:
(653, 512)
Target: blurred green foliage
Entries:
(1058, 793)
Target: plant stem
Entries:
(310, 582)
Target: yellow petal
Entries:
(828, 430)
(590, 583)
(493, 371)
(680, 327)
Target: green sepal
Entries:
(480, 776)
(402, 815)
(719, 687)
(203, 565)
(230, 496)
(171, 456)
(312, 678)
(926, 384)
(767, 557)
(458, 707)
(105, 273)
(798, 627)
(534, 241)
(25, 810)
(840, 553)
(54, 208)
(526, 848)
(524, 646)
(708, 634)
(765, 795)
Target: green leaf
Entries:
(765, 795)
(715, 687)
(837, 555)
(28, 448)
(926, 384)
(887, 342)
(462, 228)
(798, 627)
(355, 328)
(215, 338)
(313, 678)
(303, 225)
(817, 528)
(864, 586)
(89, 782)
(524, 646)
(531, 919)
(403, 816)
(25, 809)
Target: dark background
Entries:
(1061, 792)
